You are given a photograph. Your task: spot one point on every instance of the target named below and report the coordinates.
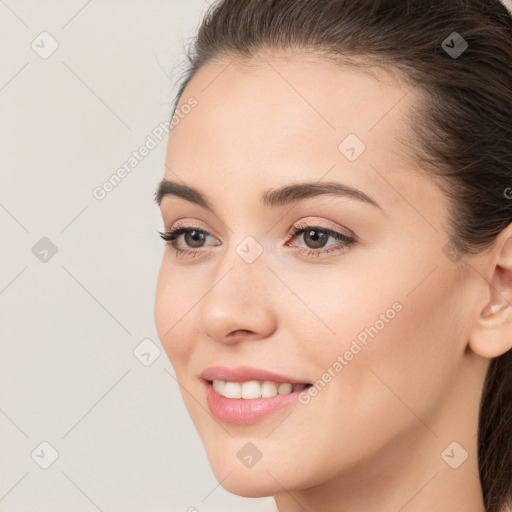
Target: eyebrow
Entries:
(271, 197)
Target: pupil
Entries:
(196, 236)
(318, 239)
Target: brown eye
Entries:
(191, 239)
(194, 238)
(315, 239)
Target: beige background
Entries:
(69, 324)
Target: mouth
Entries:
(255, 389)
(243, 374)
(250, 402)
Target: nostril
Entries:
(240, 331)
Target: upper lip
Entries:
(245, 374)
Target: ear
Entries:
(491, 335)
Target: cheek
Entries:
(401, 347)
(172, 304)
(400, 337)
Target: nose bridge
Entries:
(238, 298)
(244, 261)
(241, 276)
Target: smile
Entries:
(238, 410)
(255, 389)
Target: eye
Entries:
(316, 238)
(193, 237)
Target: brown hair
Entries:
(461, 132)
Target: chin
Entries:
(263, 479)
(249, 485)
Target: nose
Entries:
(238, 304)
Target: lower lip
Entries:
(240, 411)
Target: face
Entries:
(351, 292)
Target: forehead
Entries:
(312, 88)
(287, 100)
(274, 119)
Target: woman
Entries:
(335, 294)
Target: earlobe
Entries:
(491, 309)
(492, 334)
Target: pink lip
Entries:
(240, 411)
(245, 374)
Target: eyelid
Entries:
(311, 223)
(303, 224)
(192, 225)
(174, 233)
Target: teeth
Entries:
(232, 390)
(268, 389)
(254, 389)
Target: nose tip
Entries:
(225, 331)
(239, 307)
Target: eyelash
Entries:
(170, 237)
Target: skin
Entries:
(373, 437)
